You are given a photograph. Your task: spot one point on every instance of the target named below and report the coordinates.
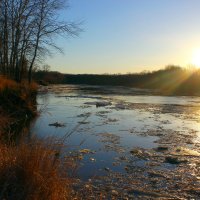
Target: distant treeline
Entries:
(169, 81)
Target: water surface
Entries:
(119, 128)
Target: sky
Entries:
(127, 36)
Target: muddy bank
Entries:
(17, 108)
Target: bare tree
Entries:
(27, 31)
(46, 68)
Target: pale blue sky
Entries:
(129, 35)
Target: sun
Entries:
(196, 58)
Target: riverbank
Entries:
(170, 81)
(17, 106)
(30, 169)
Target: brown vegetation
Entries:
(31, 171)
(28, 169)
(17, 105)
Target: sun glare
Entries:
(196, 58)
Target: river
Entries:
(125, 133)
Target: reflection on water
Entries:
(124, 131)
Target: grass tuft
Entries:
(32, 171)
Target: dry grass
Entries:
(20, 97)
(23, 89)
(7, 83)
(32, 171)
(17, 106)
(28, 170)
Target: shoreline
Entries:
(28, 169)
